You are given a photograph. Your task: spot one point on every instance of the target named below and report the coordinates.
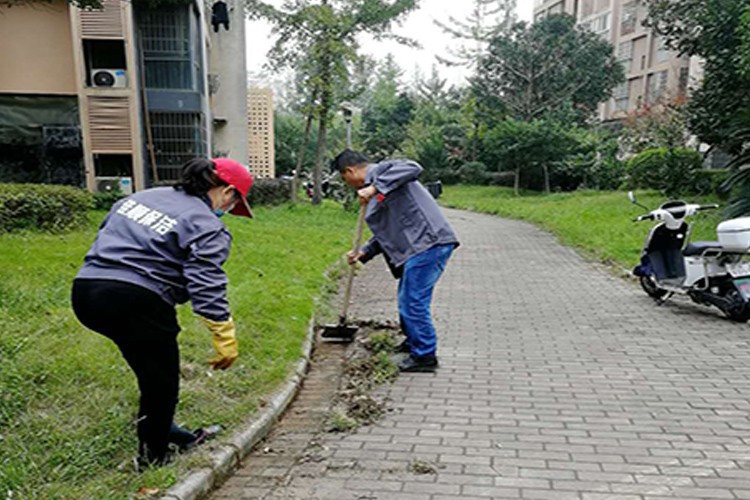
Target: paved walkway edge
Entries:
(227, 455)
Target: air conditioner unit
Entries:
(109, 78)
(109, 184)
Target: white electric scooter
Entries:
(712, 273)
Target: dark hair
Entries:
(198, 176)
(347, 158)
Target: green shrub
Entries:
(474, 172)
(42, 207)
(672, 171)
(104, 201)
(711, 182)
(270, 192)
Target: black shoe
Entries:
(181, 437)
(404, 347)
(421, 364)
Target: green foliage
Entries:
(597, 161)
(661, 126)
(672, 171)
(104, 201)
(474, 172)
(551, 68)
(382, 341)
(712, 182)
(530, 149)
(69, 401)
(599, 223)
(42, 207)
(387, 113)
(320, 39)
(717, 32)
(339, 421)
(270, 192)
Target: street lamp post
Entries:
(348, 110)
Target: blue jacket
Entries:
(405, 220)
(168, 242)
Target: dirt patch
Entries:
(369, 363)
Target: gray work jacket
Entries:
(404, 218)
(166, 241)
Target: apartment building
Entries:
(260, 132)
(653, 73)
(122, 95)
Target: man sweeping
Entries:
(413, 234)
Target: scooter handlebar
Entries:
(644, 217)
(712, 206)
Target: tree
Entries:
(487, 20)
(661, 126)
(717, 32)
(549, 68)
(320, 37)
(387, 112)
(523, 147)
(719, 110)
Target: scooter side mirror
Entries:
(631, 197)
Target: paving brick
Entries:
(558, 381)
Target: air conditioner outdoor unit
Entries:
(109, 78)
(109, 184)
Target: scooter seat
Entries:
(697, 248)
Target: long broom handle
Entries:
(355, 249)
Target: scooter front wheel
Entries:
(651, 288)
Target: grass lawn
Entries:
(599, 223)
(67, 398)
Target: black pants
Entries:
(145, 329)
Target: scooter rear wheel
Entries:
(740, 312)
(651, 288)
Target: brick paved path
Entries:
(557, 381)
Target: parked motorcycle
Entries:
(712, 273)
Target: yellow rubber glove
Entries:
(224, 341)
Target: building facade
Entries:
(121, 92)
(260, 132)
(653, 73)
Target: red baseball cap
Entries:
(239, 177)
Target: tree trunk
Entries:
(302, 149)
(517, 182)
(546, 179)
(320, 150)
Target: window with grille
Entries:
(684, 81)
(165, 38)
(178, 137)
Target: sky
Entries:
(419, 25)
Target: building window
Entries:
(599, 25)
(684, 81)
(622, 97)
(178, 137)
(662, 52)
(166, 42)
(629, 19)
(657, 85)
(625, 51)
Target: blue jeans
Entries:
(421, 273)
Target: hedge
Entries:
(270, 192)
(42, 207)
